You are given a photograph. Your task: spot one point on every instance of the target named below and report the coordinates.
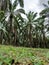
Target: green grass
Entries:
(24, 56)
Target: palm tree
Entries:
(11, 12)
(3, 31)
(45, 12)
(42, 35)
(29, 28)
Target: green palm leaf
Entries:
(20, 11)
(21, 3)
(44, 11)
(15, 4)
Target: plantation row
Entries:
(19, 31)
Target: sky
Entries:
(33, 5)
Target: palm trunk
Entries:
(15, 37)
(10, 28)
(30, 37)
(0, 37)
(44, 40)
(11, 22)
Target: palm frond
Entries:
(1, 14)
(44, 11)
(16, 24)
(21, 2)
(9, 5)
(2, 28)
(48, 2)
(45, 5)
(3, 19)
(14, 4)
(34, 15)
(20, 17)
(20, 11)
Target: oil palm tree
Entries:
(45, 12)
(3, 31)
(12, 12)
(13, 15)
(29, 27)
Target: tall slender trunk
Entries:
(11, 16)
(44, 40)
(0, 37)
(10, 20)
(30, 36)
(15, 37)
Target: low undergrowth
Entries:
(10, 55)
